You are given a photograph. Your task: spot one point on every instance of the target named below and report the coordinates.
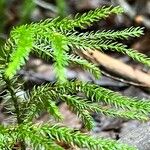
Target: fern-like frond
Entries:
(40, 99)
(121, 113)
(45, 136)
(108, 45)
(81, 21)
(42, 48)
(7, 138)
(81, 108)
(113, 35)
(35, 138)
(63, 134)
(90, 67)
(45, 25)
(2, 60)
(100, 94)
(122, 110)
(23, 37)
(2, 56)
(59, 46)
(87, 19)
(44, 51)
(5, 52)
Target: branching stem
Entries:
(16, 105)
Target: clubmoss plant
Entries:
(55, 39)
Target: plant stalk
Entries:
(16, 105)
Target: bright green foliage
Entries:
(59, 46)
(7, 138)
(131, 107)
(65, 134)
(23, 37)
(81, 108)
(39, 100)
(110, 34)
(45, 137)
(52, 38)
(57, 39)
(90, 67)
(103, 45)
(88, 18)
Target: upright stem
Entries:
(16, 105)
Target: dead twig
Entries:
(130, 75)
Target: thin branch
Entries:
(16, 105)
(132, 76)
